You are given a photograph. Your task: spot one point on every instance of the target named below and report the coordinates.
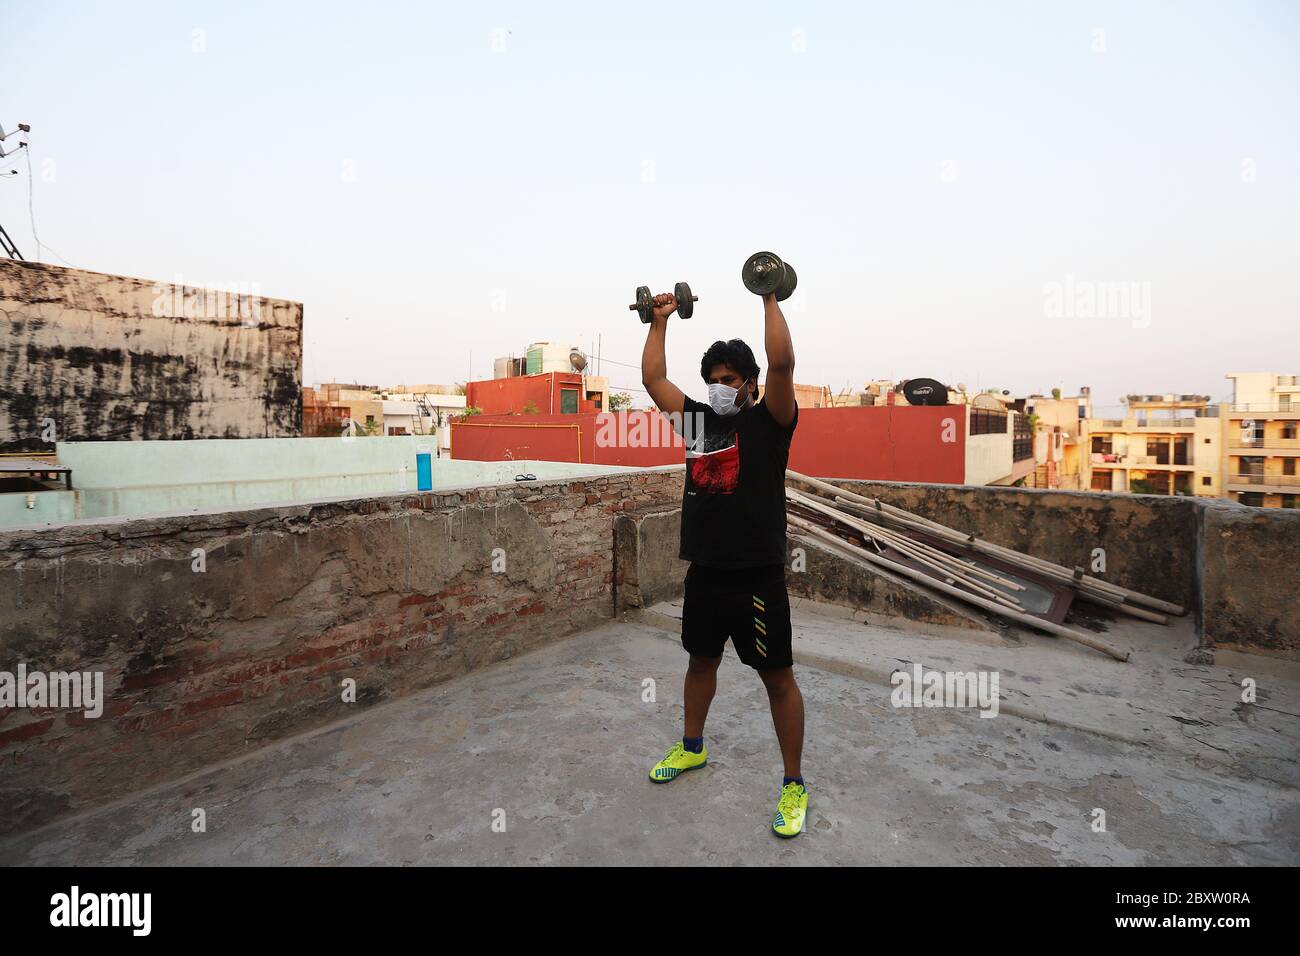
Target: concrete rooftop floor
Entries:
(558, 744)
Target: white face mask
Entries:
(722, 399)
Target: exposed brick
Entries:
(199, 665)
(223, 699)
(25, 731)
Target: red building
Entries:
(886, 442)
(550, 393)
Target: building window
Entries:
(1288, 429)
(1207, 481)
(1253, 498)
(568, 401)
(986, 421)
(1288, 466)
(1251, 465)
(1288, 501)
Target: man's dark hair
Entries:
(734, 353)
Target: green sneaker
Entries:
(677, 761)
(790, 811)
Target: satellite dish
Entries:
(925, 391)
(577, 360)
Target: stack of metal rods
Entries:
(1124, 600)
(847, 523)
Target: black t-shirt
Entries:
(733, 506)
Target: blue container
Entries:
(423, 471)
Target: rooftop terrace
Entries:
(500, 637)
(556, 744)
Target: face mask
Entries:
(722, 399)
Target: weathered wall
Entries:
(1251, 577)
(829, 579)
(396, 592)
(647, 543)
(1149, 540)
(1233, 567)
(110, 357)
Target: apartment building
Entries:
(1061, 439)
(1164, 445)
(1261, 444)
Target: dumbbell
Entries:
(645, 302)
(764, 273)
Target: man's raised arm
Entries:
(778, 391)
(654, 364)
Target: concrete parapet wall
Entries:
(220, 632)
(649, 571)
(1149, 541)
(1250, 574)
(1232, 566)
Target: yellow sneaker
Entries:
(678, 760)
(790, 811)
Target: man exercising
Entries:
(733, 533)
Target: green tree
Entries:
(619, 401)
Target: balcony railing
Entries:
(1167, 423)
(1182, 421)
(1289, 407)
(1274, 481)
(1255, 443)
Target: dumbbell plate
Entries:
(762, 273)
(645, 306)
(685, 301)
(787, 287)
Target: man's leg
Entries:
(787, 715)
(697, 691)
(690, 752)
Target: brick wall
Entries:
(397, 593)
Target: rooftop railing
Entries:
(1292, 407)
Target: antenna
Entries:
(5, 242)
(22, 128)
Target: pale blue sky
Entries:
(927, 168)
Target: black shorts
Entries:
(748, 605)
